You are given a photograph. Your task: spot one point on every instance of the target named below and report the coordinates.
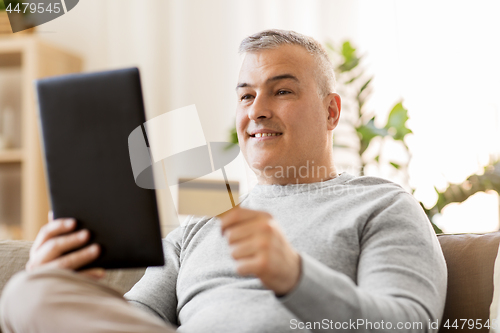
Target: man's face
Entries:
(278, 93)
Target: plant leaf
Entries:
(341, 146)
(396, 123)
(367, 132)
(348, 51)
(351, 60)
(233, 136)
(397, 166)
(330, 46)
(437, 230)
(365, 85)
(354, 78)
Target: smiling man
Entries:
(288, 93)
(306, 250)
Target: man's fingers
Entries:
(241, 231)
(253, 265)
(77, 259)
(55, 240)
(51, 230)
(246, 248)
(238, 215)
(57, 246)
(94, 273)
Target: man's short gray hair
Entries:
(271, 39)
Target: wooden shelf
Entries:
(34, 59)
(11, 156)
(10, 60)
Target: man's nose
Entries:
(260, 109)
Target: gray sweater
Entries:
(370, 262)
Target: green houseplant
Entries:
(488, 180)
(356, 90)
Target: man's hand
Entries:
(55, 239)
(260, 248)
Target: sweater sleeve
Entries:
(401, 278)
(156, 290)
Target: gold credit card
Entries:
(206, 197)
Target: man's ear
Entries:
(334, 106)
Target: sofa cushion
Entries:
(15, 254)
(470, 259)
(123, 279)
(13, 258)
(495, 304)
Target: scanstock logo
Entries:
(35, 12)
(160, 158)
(170, 151)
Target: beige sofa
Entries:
(470, 259)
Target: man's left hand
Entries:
(260, 249)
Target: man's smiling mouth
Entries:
(258, 135)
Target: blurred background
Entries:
(419, 82)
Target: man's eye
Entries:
(283, 92)
(246, 97)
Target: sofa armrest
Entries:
(13, 258)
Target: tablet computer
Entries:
(85, 123)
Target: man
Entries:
(307, 250)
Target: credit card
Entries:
(202, 197)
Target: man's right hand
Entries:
(55, 239)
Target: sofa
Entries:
(470, 258)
